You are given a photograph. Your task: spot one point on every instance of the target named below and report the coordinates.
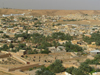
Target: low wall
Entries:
(5, 55)
(26, 67)
(20, 59)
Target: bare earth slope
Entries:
(48, 12)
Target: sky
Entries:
(52, 4)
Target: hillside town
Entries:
(54, 45)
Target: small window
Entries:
(98, 52)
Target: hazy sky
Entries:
(52, 4)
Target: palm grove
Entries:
(43, 42)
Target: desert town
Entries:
(28, 42)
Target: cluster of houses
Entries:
(21, 23)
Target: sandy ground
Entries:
(4, 73)
(48, 12)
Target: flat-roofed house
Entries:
(88, 35)
(20, 38)
(96, 73)
(94, 52)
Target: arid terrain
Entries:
(49, 12)
(58, 41)
(55, 13)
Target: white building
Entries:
(13, 15)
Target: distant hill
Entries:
(48, 12)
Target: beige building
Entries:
(96, 73)
(20, 38)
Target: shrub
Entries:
(56, 67)
(1, 31)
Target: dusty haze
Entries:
(52, 4)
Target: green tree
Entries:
(1, 49)
(22, 46)
(11, 45)
(30, 69)
(35, 19)
(85, 68)
(95, 37)
(97, 56)
(5, 47)
(44, 71)
(69, 70)
(5, 36)
(72, 48)
(56, 67)
(58, 35)
(1, 31)
(45, 51)
(77, 72)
